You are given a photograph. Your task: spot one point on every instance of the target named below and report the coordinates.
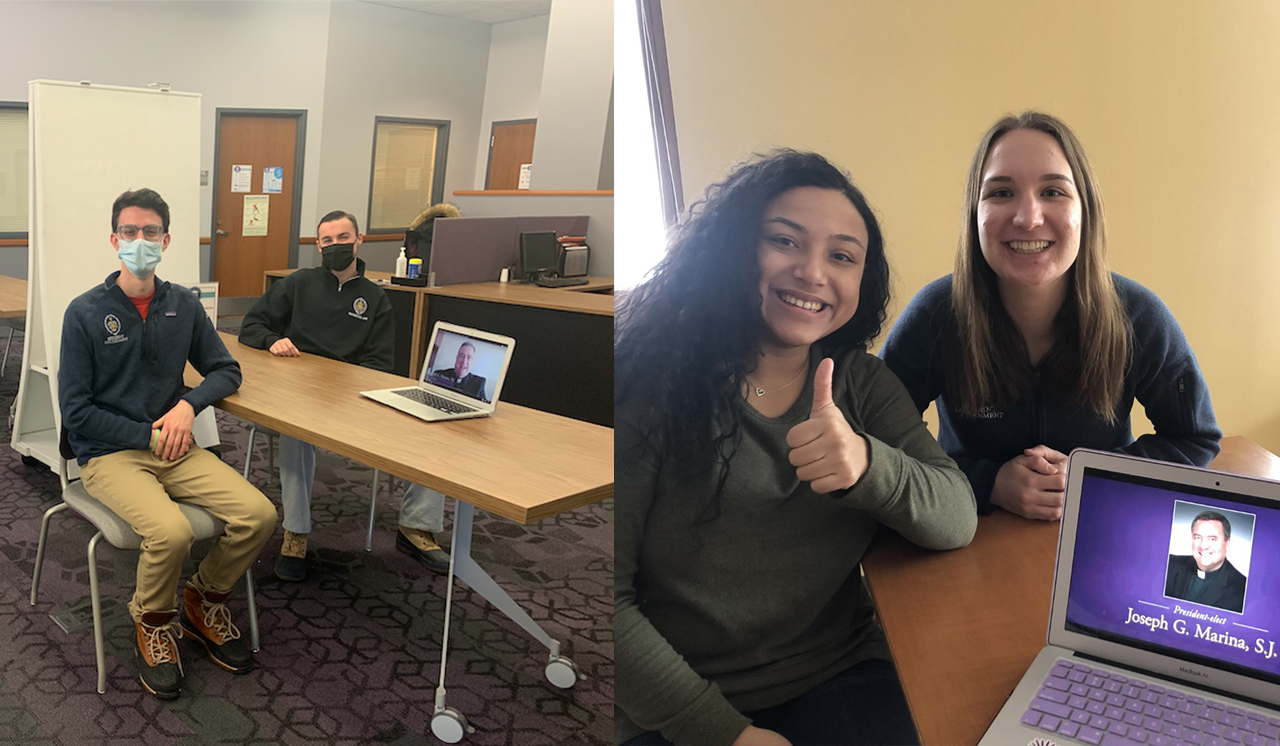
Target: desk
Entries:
(13, 298)
(563, 361)
(13, 314)
(519, 463)
(979, 615)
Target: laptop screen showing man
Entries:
(465, 364)
(1168, 568)
(462, 376)
(1165, 614)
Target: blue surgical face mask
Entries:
(140, 256)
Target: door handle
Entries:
(220, 232)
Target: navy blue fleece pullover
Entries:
(1163, 376)
(119, 373)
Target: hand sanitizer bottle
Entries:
(402, 264)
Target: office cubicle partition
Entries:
(477, 249)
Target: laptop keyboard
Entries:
(435, 402)
(1100, 707)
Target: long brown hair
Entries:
(1091, 350)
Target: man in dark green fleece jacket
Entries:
(334, 311)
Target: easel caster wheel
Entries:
(562, 673)
(449, 725)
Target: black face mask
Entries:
(338, 256)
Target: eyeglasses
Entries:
(130, 232)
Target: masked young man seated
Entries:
(128, 419)
(334, 311)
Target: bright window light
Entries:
(639, 236)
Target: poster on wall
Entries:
(241, 178)
(207, 294)
(526, 173)
(255, 214)
(272, 179)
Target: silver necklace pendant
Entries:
(760, 391)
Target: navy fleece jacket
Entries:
(119, 373)
(1162, 375)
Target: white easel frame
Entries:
(88, 144)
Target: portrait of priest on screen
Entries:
(460, 377)
(1206, 576)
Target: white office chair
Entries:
(271, 466)
(121, 535)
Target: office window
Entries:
(408, 171)
(13, 170)
(652, 195)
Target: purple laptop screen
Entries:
(1183, 571)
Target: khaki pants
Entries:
(141, 488)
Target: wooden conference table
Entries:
(13, 297)
(965, 625)
(519, 463)
(564, 337)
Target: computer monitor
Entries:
(539, 254)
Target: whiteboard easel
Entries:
(88, 144)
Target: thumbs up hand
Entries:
(826, 452)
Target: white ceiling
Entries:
(483, 11)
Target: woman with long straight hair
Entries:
(758, 447)
(1033, 347)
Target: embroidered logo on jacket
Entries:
(989, 413)
(360, 307)
(112, 323)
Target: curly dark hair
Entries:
(697, 318)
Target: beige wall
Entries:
(1177, 103)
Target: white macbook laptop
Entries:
(1165, 623)
(461, 377)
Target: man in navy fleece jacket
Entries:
(128, 419)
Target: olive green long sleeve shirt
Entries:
(764, 602)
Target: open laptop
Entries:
(1130, 659)
(461, 377)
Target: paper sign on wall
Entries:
(255, 214)
(526, 171)
(272, 179)
(207, 294)
(241, 178)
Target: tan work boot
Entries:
(206, 619)
(291, 564)
(422, 546)
(159, 667)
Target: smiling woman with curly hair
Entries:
(759, 446)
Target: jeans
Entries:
(422, 508)
(863, 705)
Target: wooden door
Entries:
(256, 142)
(510, 146)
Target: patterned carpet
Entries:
(350, 656)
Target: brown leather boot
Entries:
(206, 619)
(422, 546)
(159, 667)
(291, 563)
